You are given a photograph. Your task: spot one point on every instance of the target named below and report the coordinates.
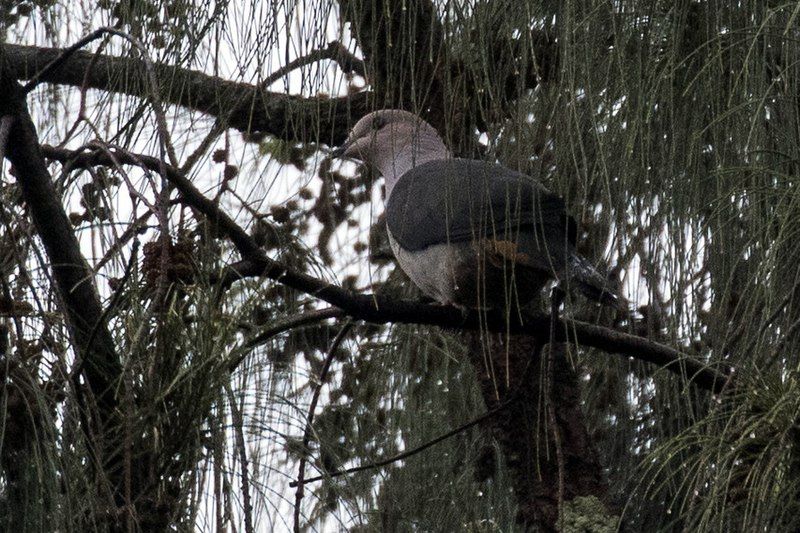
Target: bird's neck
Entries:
(406, 157)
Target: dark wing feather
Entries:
(458, 200)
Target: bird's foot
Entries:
(462, 309)
(557, 297)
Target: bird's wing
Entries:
(511, 215)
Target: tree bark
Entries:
(548, 459)
(245, 107)
(80, 302)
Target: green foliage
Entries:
(737, 468)
(588, 515)
(671, 128)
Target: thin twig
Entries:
(62, 57)
(216, 130)
(413, 451)
(234, 272)
(238, 429)
(286, 324)
(135, 228)
(280, 326)
(132, 190)
(323, 374)
(155, 97)
(334, 50)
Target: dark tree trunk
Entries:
(545, 455)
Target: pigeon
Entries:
(469, 233)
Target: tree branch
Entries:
(413, 451)
(73, 277)
(279, 326)
(288, 117)
(61, 58)
(379, 309)
(71, 272)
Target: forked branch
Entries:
(381, 309)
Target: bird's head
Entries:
(393, 141)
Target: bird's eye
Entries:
(378, 123)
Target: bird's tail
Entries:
(583, 275)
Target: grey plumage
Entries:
(468, 232)
(453, 200)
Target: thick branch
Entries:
(381, 310)
(73, 277)
(289, 117)
(71, 272)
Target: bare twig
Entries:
(280, 326)
(413, 451)
(61, 58)
(335, 51)
(235, 272)
(290, 323)
(132, 231)
(238, 428)
(216, 130)
(82, 105)
(155, 96)
(323, 374)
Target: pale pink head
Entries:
(393, 141)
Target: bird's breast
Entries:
(464, 274)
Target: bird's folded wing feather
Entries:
(510, 215)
